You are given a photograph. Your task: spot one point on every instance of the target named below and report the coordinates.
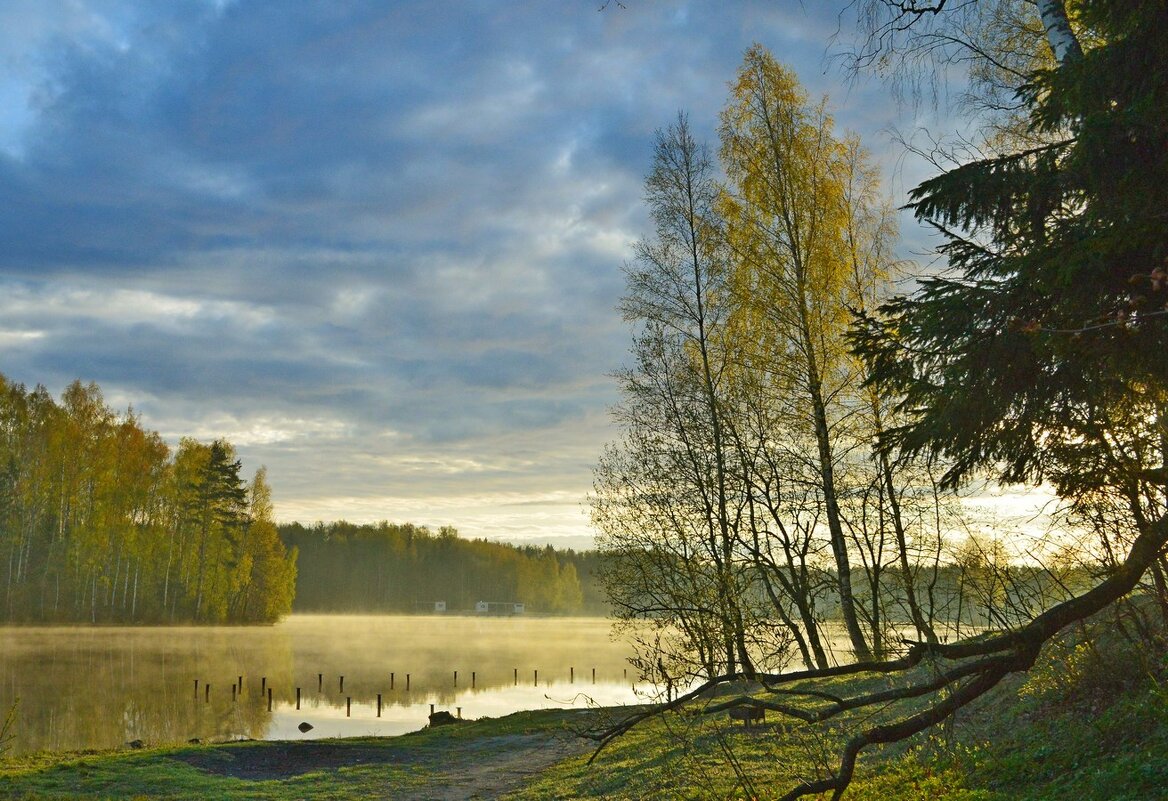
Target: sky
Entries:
(376, 245)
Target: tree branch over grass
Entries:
(975, 666)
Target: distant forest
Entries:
(388, 567)
(101, 523)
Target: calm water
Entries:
(101, 688)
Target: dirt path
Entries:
(495, 766)
(482, 768)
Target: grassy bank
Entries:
(1076, 729)
(1089, 722)
(409, 766)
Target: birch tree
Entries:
(663, 495)
(785, 219)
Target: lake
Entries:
(104, 687)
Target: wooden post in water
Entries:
(298, 698)
(319, 682)
(431, 709)
(516, 677)
(456, 678)
(391, 681)
(207, 693)
(537, 677)
(593, 675)
(239, 681)
(196, 689)
(348, 705)
(407, 682)
(342, 689)
(473, 676)
(269, 699)
(233, 691)
(571, 675)
(379, 705)
(263, 684)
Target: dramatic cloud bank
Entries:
(376, 245)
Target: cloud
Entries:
(378, 246)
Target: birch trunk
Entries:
(1063, 43)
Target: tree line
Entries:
(392, 567)
(100, 522)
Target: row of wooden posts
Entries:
(237, 687)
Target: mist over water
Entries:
(103, 687)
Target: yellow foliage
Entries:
(809, 235)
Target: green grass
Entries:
(1088, 723)
(153, 774)
(386, 764)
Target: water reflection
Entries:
(101, 688)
